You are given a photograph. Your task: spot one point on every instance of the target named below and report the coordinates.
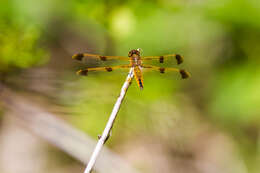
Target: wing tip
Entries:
(82, 72)
(78, 56)
(179, 59)
(184, 74)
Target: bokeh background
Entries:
(209, 123)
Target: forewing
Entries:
(87, 58)
(86, 71)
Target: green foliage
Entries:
(19, 41)
(19, 49)
(241, 92)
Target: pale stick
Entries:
(110, 123)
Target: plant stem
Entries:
(109, 125)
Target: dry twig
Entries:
(107, 130)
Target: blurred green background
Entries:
(208, 123)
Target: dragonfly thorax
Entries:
(135, 61)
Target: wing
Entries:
(184, 74)
(106, 69)
(162, 59)
(85, 56)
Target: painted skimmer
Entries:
(136, 61)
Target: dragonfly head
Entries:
(134, 52)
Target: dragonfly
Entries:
(136, 61)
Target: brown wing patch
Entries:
(161, 59)
(179, 59)
(103, 58)
(109, 69)
(78, 56)
(162, 70)
(184, 74)
(83, 72)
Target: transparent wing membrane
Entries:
(184, 74)
(92, 60)
(85, 72)
(172, 58)
(84, 56)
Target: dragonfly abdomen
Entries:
(138, 76)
